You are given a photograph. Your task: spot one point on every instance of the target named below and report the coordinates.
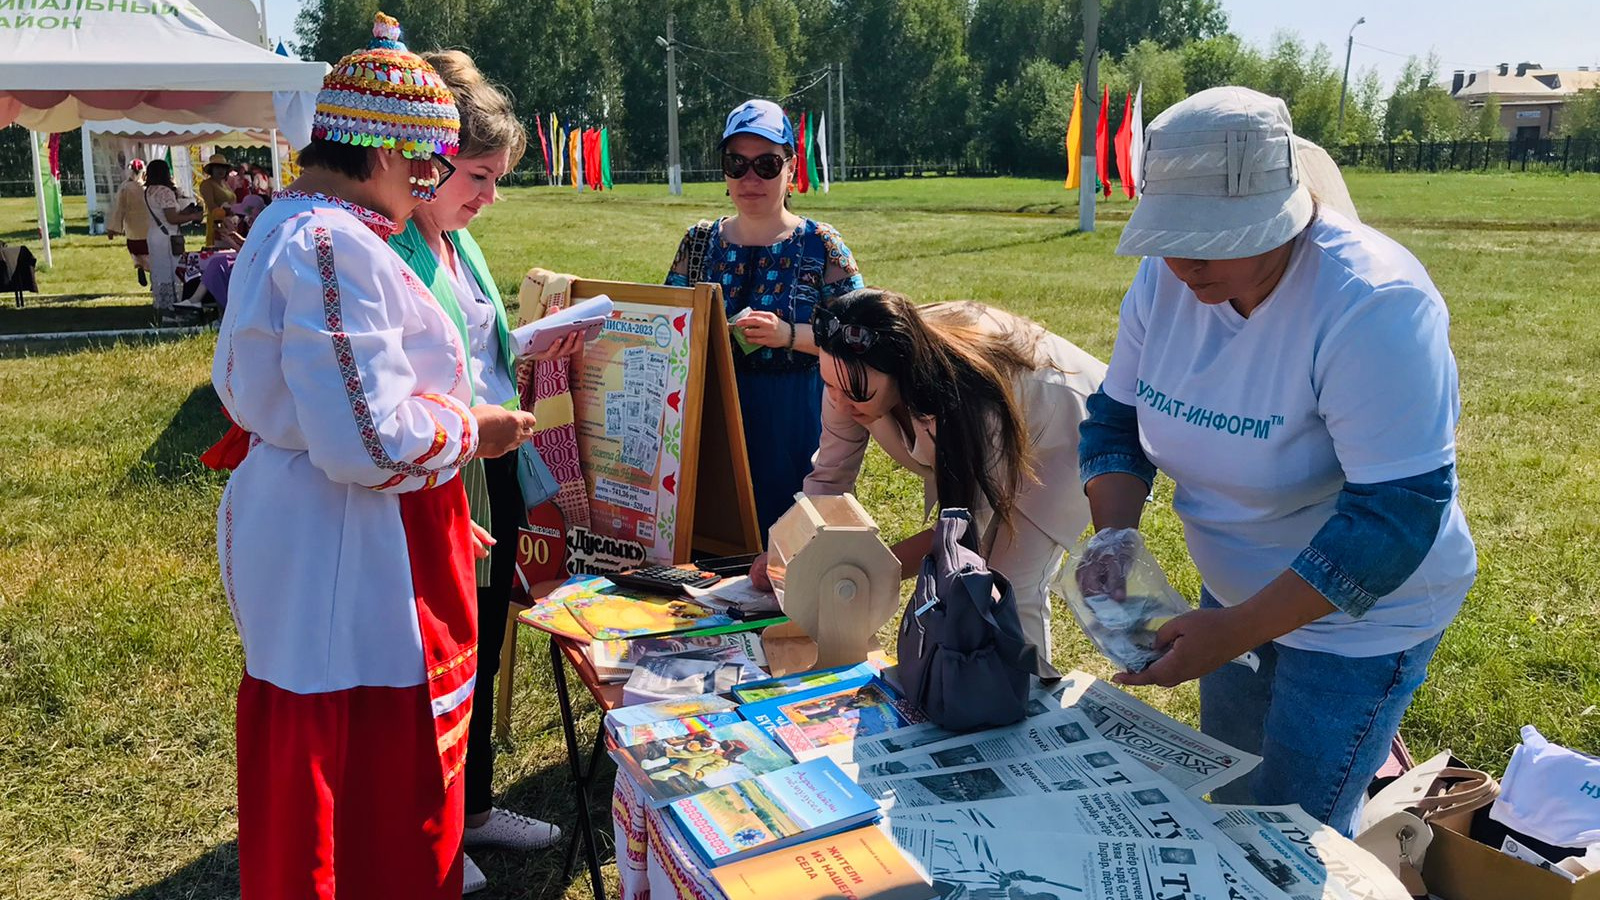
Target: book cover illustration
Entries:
(759, 814)
(629, 735)
(608, 613)
(771, 688)
(688, 764)
(862, 862)
(813, 722)
(554, 617)
(677, 708)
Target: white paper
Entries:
(1304, 857)
(1057, 730)
(1096, 764)
(527, 335)
(1175, 751)
(990, 865)
(1156, 810)
(734, 593)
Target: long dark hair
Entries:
(948, 366)
(158, 172)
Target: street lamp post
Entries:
(1344, 85)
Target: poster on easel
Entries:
(644, 410)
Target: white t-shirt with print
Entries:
(1343, 374)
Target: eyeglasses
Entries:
(767, 165)
(858, 339)
(446, 169)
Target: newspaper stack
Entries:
(1097, 795)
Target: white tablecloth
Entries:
(652, 858)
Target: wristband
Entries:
(792, 330)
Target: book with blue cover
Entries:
(800, 803)
(675, 767)
(829, 718)
(770, 688)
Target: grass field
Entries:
(118, 659)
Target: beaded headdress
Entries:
(389, 98)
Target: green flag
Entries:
(605, 157)
(811, 151)
(53, 216)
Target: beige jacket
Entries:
(1053, 402)
(128, 215)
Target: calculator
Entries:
(663, 579)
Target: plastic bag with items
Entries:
(1119, 595)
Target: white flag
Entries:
(1136, 146)
(822, 148)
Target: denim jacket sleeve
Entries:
(1378, 536)
(1108, 441)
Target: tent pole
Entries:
(38, 195)
(277, 164)
(90, 192)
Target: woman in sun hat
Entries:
(774, 267)
(1291, 371)
(216, 194)
(343, 534)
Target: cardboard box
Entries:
(1459, 868)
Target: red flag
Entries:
(802, 183)
(544, 145)
(1102, 163)
(1124, 144)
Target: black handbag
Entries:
(174, 241)
(962, 656)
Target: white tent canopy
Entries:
(147, 60)
(166, 63)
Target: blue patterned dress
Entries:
(780, 391)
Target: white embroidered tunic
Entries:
(352, 383)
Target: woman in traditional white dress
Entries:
(165, 237)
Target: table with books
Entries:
(828, 783)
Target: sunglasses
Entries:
(767, 165)
(858, 339)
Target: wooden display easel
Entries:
(716, 515)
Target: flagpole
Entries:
(1091, 99)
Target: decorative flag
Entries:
(575, 151)
(591, 159)
(55, 221)
(1102, 152)
(557, 145)
(544, 146)
(1124, 142)
(1136, 145)
(811, 151)
(605, 157)
(1075, 141)
(801, 183)
(822, 148)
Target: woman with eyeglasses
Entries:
(774, 267)
(438, 247)
(984, 405)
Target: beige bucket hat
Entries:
(1221, 180)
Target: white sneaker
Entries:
(472, 878)
(513, 830)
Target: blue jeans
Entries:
(1321, 723)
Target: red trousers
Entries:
(340, 797)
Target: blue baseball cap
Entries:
(762, 118)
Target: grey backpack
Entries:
(962, 656)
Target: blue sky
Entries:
(1466, 34)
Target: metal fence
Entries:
(1548, 154)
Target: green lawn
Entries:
(118, 660)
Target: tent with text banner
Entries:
(63, 64)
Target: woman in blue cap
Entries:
(774, 267)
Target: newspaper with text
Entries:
(986, 865)
(1305, 858)
(1194, 762)
(1056, 730)
(1155, 810)
(1094, 764)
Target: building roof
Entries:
(1533, 85)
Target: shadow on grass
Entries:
(64, 313)
(175, 456)
(214, 875)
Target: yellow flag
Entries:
(1075, 141)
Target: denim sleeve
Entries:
(1108, 441)
(1378, 536)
